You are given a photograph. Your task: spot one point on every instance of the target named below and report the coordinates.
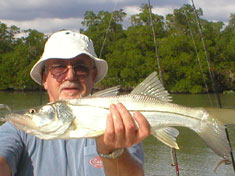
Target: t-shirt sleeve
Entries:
(137, 152)
(10, 145)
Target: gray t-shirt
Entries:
(28, 155)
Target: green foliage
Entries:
(131, 52)
(18, 59)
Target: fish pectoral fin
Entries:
(82, 133)
(167, 136)
(95, 134)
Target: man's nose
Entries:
(70, 75)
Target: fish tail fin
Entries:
(167, 136)
(214, 135)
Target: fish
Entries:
(86, 117)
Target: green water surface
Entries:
(194, 157)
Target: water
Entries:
(194, 157)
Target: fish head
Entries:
(33, 118)
(42, 115)
(46, 122)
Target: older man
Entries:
(69, 69)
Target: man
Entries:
(69, 69)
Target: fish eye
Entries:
(32, 111)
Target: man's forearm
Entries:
(4, 168)
(125, 165)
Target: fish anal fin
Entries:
(167, 136)
(79, 131)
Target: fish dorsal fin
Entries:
(152, 86)
(107, 92)
(167, 136)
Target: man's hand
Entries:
(121, 130)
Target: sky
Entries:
(48, 16)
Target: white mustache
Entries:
(68, 84)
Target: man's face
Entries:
(69, 78)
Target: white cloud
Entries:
(52, 15)
(216, 10)
(47, 25)
(162, 10)
(131, 10)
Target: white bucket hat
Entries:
(67, 45)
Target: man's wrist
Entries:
(112, 155)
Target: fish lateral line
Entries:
(139, 110)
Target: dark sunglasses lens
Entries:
(81, 70)
(57, 71)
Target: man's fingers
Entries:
(122, 130)
(144, 127)
(109, 135)
(129, 124)
(118, 125)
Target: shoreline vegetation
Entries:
(130, 52)
(121, 91)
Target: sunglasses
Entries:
(60, 70)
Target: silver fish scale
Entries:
(105, 102)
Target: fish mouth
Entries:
(21, 121)
(26, 124)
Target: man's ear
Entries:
(45, 85)
(94, 74)
(44, 81)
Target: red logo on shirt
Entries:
(96, 162)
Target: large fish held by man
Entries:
(86, 117)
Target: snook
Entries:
(86, 117)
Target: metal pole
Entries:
(161, 78)
(155, 43)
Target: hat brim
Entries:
(101, 65)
